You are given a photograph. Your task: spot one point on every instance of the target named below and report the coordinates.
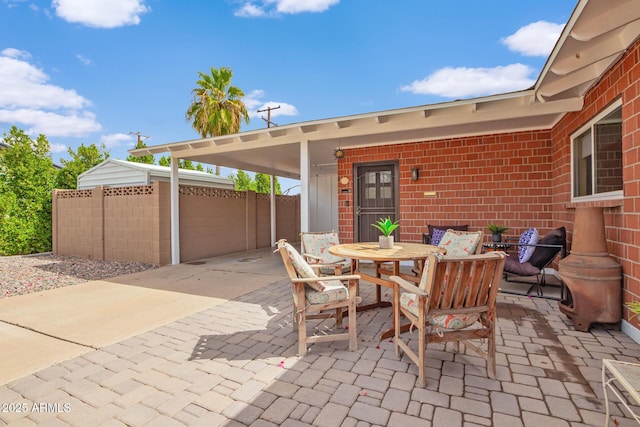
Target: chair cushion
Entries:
(345, 265)
(408, 301)
(318, 244)
(460, 244)
(303, 269)
(453, 321)
(529, 237)
(541, 256)
(512, 265)
(334, 291)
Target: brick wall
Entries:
(519, 179)
(501, 179)
(622, 218)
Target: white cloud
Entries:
(117, 140)
(58, 148)
(101, 13)
(253, 103)
(23, 85)
(468, 82)
(75, 124)
(274, 7)
(27, 97)
(298, 6)
(11, 52)
(536, 39)
(249, 10)
(252, 100)
(84, 60)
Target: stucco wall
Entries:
(133, 223)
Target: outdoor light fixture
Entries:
(338, 153)
(415, 174)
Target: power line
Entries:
(268, 119)
(138, 134)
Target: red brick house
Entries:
(520, 159)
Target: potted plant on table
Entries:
(386, 227)
(496, 232)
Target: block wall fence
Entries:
(133, 223)
(518, 179)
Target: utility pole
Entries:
(268, 119)
(140, 136)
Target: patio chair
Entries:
(533, 257)
(454, 301)
(313, 295)
(315, 248)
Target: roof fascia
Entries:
(304, 129)
(566, 32)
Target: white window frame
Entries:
(611, 195)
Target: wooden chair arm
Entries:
(320, 266)
(326, 278)
(310, 256)
(317, 258)
(407, 286)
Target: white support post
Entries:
(273, 212)
(175, 212)
(304, 185)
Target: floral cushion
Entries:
(318, 244)
(442, 321)
(409, 302)
(303, 269)
(334, 291)
(326, 271)
(529, 237)
(458, 244)
(424, 278)
(452, 321)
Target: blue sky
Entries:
(91, 71)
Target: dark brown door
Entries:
(376, 197)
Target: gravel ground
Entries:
(21, 275)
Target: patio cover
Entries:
(594, 38)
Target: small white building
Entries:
(119, 173)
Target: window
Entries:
(597, 156)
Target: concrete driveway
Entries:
(41, 329)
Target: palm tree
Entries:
(217, 107)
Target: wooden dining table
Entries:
(386, 262)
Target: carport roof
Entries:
(595, 37)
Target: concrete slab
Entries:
(48, 327)
(99, 313)
(23, 351)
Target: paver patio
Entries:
(235, 364)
